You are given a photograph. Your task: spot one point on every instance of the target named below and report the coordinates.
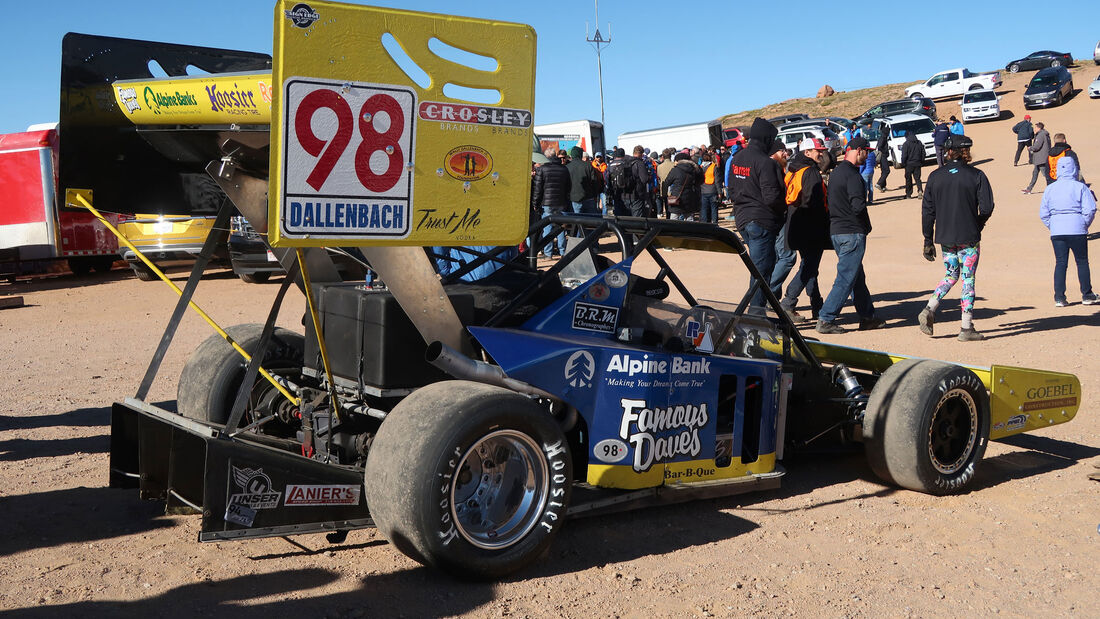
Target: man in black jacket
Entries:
(682, 182)
(585, 183)
(550, 190)
(956, 206)
(882, 156)
(1024, 134)
(939, 138)
(756, 188)
(912, 157)
(849, 225)
(807, 226)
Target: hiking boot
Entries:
(793, 315)
(870, 324)
(970, 335)
(925, 319)
(1090, 299)
(829, 328)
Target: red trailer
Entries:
(34, 222)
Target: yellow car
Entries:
(165, 237)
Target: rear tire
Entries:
(103, 264)
(255, 278)
(143, 272)
(1055, 63)
(975, 87)
(209, 381)
(470, 479)
(80, 266)
(927, 426)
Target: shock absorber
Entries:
(847, 381)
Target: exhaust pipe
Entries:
(460, 366)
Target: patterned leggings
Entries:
(959, 259)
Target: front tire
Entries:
(1014, 67)
(469, 478)
(927, 426)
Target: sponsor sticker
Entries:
(468, 163)
(128, 96)
(256, 489)
(592, 317)
(239, 514)
(661, 434)
(306, 496)
(474, 114)
(610, 450)
(302, 15)
(579, 368)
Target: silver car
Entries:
(792, 136)
(1094, 88)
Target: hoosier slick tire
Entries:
(209, 381)
(927, 426)
(468, 478)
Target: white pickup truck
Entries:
(954, 82)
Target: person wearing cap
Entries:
(600, 166)
(756, 188)
(849, 225)
(956, 206)
(957, 126)
(1067, 209)
(939, 138)
(550, 192)
(882, 156)
(627, 181)
(807, 225)
(785, 257)
(584, 184)
(1024, 134)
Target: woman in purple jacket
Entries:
(1067, 209)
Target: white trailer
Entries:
(587, 134)
(680, 136)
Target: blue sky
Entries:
(669, 63)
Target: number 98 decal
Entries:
(346, 154)
(610, 450)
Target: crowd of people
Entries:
(790, 209)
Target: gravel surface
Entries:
(833, 541)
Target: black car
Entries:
(779, 121)
(1050, 86)
(1040, 60)
(916, 105)
(252, 261)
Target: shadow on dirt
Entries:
(75, 515)
(81, 417)
(16, 449)
(1042, 455)
(1038, 325)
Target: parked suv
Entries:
(1050, 86)
(922, 105)
(980, 104)
(162, 237)
(791, 136)
(252, 261)
(894, 129)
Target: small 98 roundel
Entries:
(610, 450)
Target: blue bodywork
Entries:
(652, 411)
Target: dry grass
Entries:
(847, 104)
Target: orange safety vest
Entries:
(708, 175)
(598, 166)
(1053, 163)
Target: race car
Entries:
(468, 416)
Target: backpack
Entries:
(1052, 161)
(621, 177)
(793, 181)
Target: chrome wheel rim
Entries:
(500, 490)
(953, 432)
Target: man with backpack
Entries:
(627, 181)
(807, 224)
(1059, 150)
(1024, 134)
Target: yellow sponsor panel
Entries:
(1023, 399)
(626, 478)
(229, 98)
(393, 127)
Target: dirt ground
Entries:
(833, 541)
